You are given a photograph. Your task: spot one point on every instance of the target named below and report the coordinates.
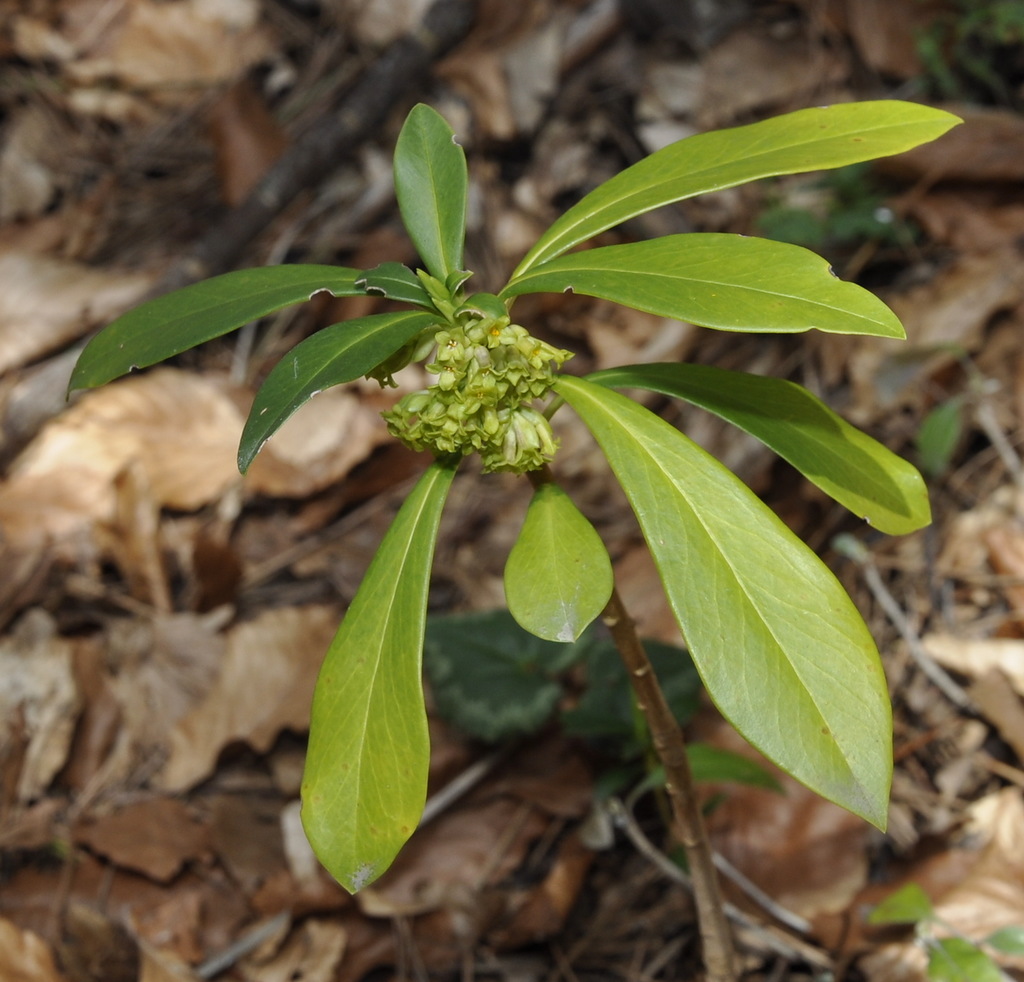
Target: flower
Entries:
(488, 371)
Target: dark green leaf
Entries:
(558, 577)
(431, 184)
(605, 710)
(336, 354)
(779, 644)
(365, 781)
(845, 463)
(807, 140)
(396, 282)
(908, 905)
(714, 764)
(489, 677)
(729, 282)
(939, 435)
(177, 321)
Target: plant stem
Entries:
(716, 938)
(667, 736)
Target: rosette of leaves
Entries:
(776, 640)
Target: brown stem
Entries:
(716, 938)
(667, 736)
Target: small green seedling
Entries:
(951, 956)
(778, 643)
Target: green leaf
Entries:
(939, 436)
(717, 764)
(807, 140)
(489, 677)
(431, 185)
(729, 282)
(778, 643)
(908, 905)
(177, 321)
(331, 356)
(958, 960)
(365, 781)
(845, 463)
(1009, 940)
(605, 710)
(558, 577)
(396, 282)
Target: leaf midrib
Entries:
(709, 169)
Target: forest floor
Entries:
(162, 619)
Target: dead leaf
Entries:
(39, 704)
(180, 429)
(169, 50)
(47, 302)
(264, 685)
(751, 70)
(379, 22)
(886, 33)
(158, 670)
(1002, 707)
(988, 146)
(968, 219)
(246, 835)
(161, 966)
(154, 836)
(318, 445)
(247, 140)
(989, 897)
(941, 317)
(805, 852)
(311, 953)
(29, 160)
(24, 956)
(976, 657)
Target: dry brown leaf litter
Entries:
(145, 588)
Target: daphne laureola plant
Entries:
(778, 643)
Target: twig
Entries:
(850, 547)
(667, 737)
(782, 944)
(460, 785)
(246, 944)
(402, 67)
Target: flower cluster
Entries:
(489, 371)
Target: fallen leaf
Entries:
(25, 957)
(180, 429)
(264, 685)
(247, 140)
(987, 147)
(47, 302)
(39, 703)
(989, 897)
(170, 50)
(311, 953)
(887, 32)
(750, 70)
(318, 445)
(158, 670)
(379, 22)
(155, 836)
(805, 852)
(976, 657)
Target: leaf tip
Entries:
(363, 875)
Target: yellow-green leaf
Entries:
(779, 644)
(365, 781)
(558, 577)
